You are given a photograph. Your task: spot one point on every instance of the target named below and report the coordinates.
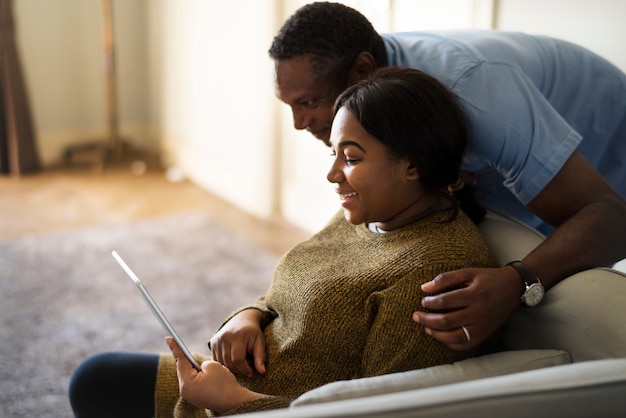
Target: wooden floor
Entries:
(70, 198)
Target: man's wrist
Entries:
(533, 290)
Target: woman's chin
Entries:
(353, 218)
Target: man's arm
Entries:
(591, 223)
(590, 217)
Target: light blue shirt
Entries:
(531, 101)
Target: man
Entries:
(548, 137)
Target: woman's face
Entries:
(372, 185)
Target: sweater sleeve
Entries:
(260, 304)
(261, 404)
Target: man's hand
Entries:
(215, 387)
(239, 340)
(481, 300)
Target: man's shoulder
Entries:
(441, 54)
(462, 39)
(470, 46)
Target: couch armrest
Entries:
(584, 315)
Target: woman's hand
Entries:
(240, 344)
(215, 387)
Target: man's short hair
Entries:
(331, 33)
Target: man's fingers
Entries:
(448, 328)
(465, 307)
(457, 339)
(454, 299)
(447, 281)
(440, 321)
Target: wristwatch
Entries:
(533, 289)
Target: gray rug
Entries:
(63, 297)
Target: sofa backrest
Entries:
(508, 238)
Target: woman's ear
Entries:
(364, 65)
(412, 173)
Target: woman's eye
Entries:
(348, 160)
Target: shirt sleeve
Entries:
(513, 129)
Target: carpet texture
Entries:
(63, 297)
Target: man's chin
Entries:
(323, 136)
(325, 141)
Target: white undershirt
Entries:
(372, 227)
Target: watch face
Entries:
(533, 294)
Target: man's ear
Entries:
(364, 65)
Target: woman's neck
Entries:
(422, 208)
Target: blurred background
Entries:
(194, 83)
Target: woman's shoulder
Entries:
(457, 241)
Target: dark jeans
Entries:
(114, 385)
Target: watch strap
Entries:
(527, 274)
(533, 289)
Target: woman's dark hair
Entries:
(416, 117)
(332, 34)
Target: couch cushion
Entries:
(474, 368)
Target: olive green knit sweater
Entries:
(340, 305)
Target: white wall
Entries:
(60, 47)
(216, 110)
(598, 25)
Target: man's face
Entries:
(310, 97)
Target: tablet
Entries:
(156, 310)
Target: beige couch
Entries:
(563, 358)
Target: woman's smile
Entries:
(347, 197)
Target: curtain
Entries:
(18, 148)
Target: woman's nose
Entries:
(334, 175)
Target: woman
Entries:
(337, 306)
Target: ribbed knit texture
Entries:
(340, 306)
